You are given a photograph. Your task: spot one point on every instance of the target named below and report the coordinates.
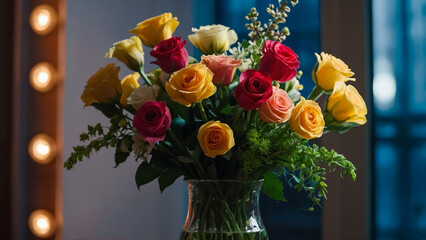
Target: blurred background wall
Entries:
(101, 202)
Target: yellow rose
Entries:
(191, 84)
(215, 138)
(129, 52)
(307, 119)
(346, 105)
(103, 87)
(213, 38)
(330, 70)
(156, 29)
(128, 85)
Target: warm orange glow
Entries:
(43, 77)
(42, 148)
(43, 19)
(42, 223)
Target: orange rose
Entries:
(278, 107)
(215, 138)
(307, 119)
(223, 68)
(191, 84)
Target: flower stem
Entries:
(248, 118)
(203, 113)
(176, 140)
(145, 77)
(185, 151)
(316, 93)
(237, 116)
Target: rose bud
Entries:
(223, 68)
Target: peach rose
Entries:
(223, 68)
(278, 107)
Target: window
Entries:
(399, 86)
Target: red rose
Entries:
(279, 61)
(255, 88)
(223, 68)
(152, 120)
(171, 54)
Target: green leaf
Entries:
(340, 127)
(245, 43)
(211, 172)
(273, 187)
(192, 60)
(314, 73)
(185, 159)
(226, 110)
(168, 177)
(109, 110)
(228, 155)
(195, 154)
(120, 157)
(178, 109)
(146, 173)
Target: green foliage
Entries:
(146, 173)
(273, 150)
(273, 187)
(168, 177)
(98, 137)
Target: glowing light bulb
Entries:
(43, 77)
(42, 223)
(43, 19)
(42, 148)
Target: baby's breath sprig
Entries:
(255, 26)
(270, 30)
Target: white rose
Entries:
(164, 77)
(293, 88)
(142, 94)
(213, 38)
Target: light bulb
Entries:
(43, 77)
(43, 19)
(42, 223)
(42, 148)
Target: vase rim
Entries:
(222, 180)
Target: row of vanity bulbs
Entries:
(42, 147)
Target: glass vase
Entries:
(223, 209)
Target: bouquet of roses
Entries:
(237, 114)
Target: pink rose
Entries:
(279, 61)
(152, 120)
(171, 54)
(254, 89)
(223, 68)
(278, 107)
